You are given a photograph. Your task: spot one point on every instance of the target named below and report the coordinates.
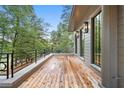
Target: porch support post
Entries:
(109, 46)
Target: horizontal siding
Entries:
(121, 36)
(121, 44)
(121, 72)
(121, 51)
(87, 47)
(78, 46)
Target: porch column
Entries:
(109, 46)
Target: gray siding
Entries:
(121, 45)
(78, 46)
(87, 47)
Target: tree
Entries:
(4, 32)
(23, 29)
(61, 38)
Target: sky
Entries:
(50, 13)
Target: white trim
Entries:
(96, 67)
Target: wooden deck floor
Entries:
(62, 72)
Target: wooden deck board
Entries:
(62, 72)
(75, 70)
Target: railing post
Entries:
(35, 56)
(7, 65)
(11, 64)
(44, 52)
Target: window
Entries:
(83, 44)
(97, 39)
(75, 43)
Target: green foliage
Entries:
(62, 39)
(4, 32)
(21, 31)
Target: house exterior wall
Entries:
(88, 39)
(78, 46)
(87, 46)
(112, 70)
(121, 45)
(109, 46)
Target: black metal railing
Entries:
(20, 62)
(5, 64)
(11, 63)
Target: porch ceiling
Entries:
(79, 14)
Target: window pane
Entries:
(97, 40)
(83, 39)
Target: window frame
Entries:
(93, 29)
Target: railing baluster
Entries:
(7, 66)
(35, 56)
(11, 64)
